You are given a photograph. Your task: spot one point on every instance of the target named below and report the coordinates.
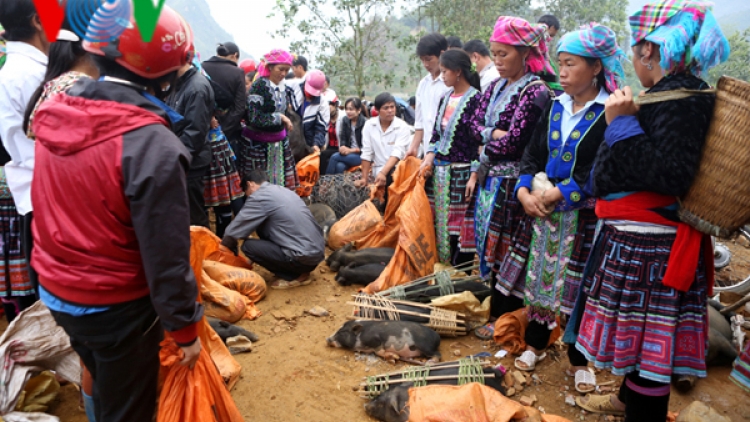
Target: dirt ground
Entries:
(291, 374)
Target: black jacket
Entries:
(346, 132)
(193, 99)
(230, 77)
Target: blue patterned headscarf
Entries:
(687, 33)
(598, 42)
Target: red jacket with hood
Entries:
(111, 219)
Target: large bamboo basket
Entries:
(718, 201)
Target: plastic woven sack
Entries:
(246, 282)
(338, 192)
(356, 225)
(308, 171)
(408, 211)
(511, 328)
(219, 301)
(196, 394)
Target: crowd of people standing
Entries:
(543, 167)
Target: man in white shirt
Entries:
(24, 69)
(328, 94)
(429, 92)
(480, 56)
(385, 139)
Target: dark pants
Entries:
(645, 400)
(120, 348)
(27, 244)
(340, 163)
(502, 304)
(198, 215)
(271, 257)
(537, 336)
(325, 157)
(458, 257)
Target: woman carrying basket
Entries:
(642, 307)
(265, 143)
(549, 255)
(454, 146)
(515, 104)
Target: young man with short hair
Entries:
(480, 56)
(299, 67)
(24, 69)
(553, 24)
(429, 92)
(290, 242)
(385, 139)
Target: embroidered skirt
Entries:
(632, 322)
(222, 184)
(741, 372)
(14, 275)
(447, 194)
(494, 216)
(274, 157)
(544, 268)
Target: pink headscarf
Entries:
(519, 32)
(277, 56)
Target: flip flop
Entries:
(585, 377)
(530, 359)
(281, 284)
(599, 404)
(490, 327)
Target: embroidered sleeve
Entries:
(535, 155)
(663, 158)
(519, 122)
(435, 134)
(571, 191)
(474, 116)
(261, 109)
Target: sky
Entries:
(247, 21)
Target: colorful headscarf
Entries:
(599, 42)
(277, 56)
(2, 47)
(686, 31)
(519, 32)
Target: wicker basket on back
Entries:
(718, 201)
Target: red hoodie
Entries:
(111, 217)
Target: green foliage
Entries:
(348, 37)
(738, 65)
(574, 13)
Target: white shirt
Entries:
(24, 70)
(379, 146)
(570, 119)
(487, 75)
(429, 93)
(329, 95)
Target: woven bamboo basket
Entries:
(375, 308)
(718, 201)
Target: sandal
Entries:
(489, 327)
(530, 359)
(280, 284)
(585, 377)
(599, 404)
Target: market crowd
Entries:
(544, 168)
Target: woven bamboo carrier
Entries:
(446, 282)
(376, 308)
(718, 201)
(470, 370)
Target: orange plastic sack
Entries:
(203, 243)
(221, 302)
(416, 253)
(248, 283)
(357, 224)
(386, 235)
(196, 394)
(471, 402)
(511, 328)
(308, 171)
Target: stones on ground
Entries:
(519, 378)
(239, 344)
(318, 311)
(456, 352)
(527, 401)
(277, 330)
(509, 380)
(535, 378)
(283, 315)
(511, 392)
(570, 400)
(700, 412)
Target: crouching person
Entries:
(112, 238)
(290, 242)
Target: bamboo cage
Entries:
(469, 370)
(441, 283)
(376, 308)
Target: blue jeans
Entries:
(340, 163)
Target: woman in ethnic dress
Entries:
(646, 284)
(265, 143)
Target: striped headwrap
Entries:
(599, 42)
(515, 31)
(276, 56)
(686, 31)
(2, 47)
